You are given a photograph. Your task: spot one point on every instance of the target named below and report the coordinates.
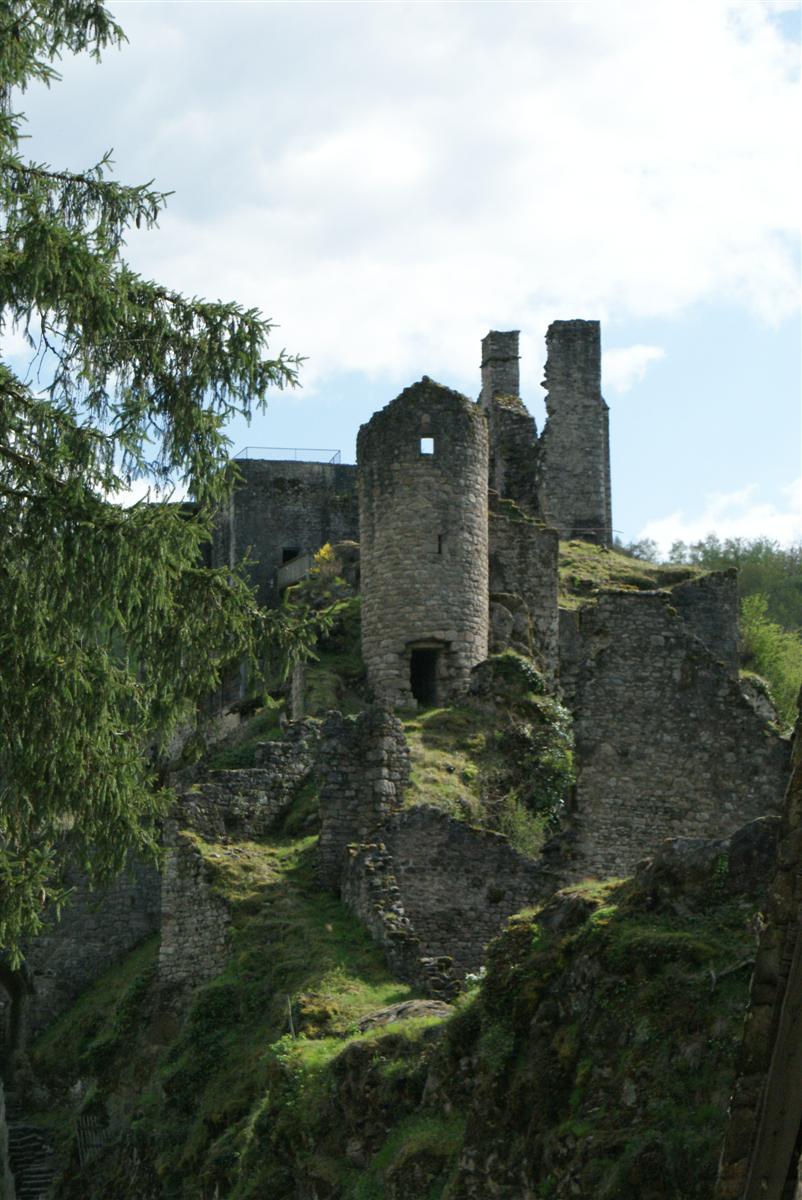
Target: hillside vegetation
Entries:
(595, 1059)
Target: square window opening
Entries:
(427, 445)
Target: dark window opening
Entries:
(427, 445)
(439, 543)
(423, 675)
(289, 553)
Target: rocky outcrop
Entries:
(760, 1157)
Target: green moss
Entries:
(263, 727)
(102, 1022)
(509, 775)
(586, 570)
(421, 1149)
(336, 678)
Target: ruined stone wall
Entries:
(97, 929)
(571, 654)
(500, 369)
(242, 804)
(369, 889)
(514, 452)
(523, 587)
(423, 534)
(248, 802)
(709, 607)
(363, 769)
(760, 1156)
(574, 461)
(458, 884)
(195, 920)
(513, 434)
(666, 744)
(281, 506)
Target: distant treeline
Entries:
(770, 586)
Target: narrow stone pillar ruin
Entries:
(500, 371)
(574, 446)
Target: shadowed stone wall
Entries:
(666, 744)
(283, 506)
(363, 770)
(195, 920)
(523, 587)
(514, 452)
(370, 890)
(97, 929)
(709, 607)
(459, 884)
(423, 535)
(244, 804)
(574, 446)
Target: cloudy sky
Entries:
(388, 181)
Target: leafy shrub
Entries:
(774, 652)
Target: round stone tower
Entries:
(423, 477)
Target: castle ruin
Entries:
(459, 507)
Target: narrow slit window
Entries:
(427, 445)
(439, 543)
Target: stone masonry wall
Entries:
(370, 890)
(6, 1178)
(666, 744)
(459, 884)
(571, 654)
(195, 920)
(282, 506)
(363, 769)
(500, 369)
(514, 452)
(423, 534)
(709, 607)
(97, 929)
(574, 459)
(248, 802)
(244, 803)
(523, 587)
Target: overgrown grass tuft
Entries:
(586, 570)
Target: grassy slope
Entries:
(598, 1056)
(192, 1089)
(603, 1051)
(587, 570)
(593, 1062)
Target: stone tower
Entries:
(513, 434)
(423, 517)
(574, 463)
(500, 373)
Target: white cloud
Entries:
(14, 344)
(391, 180)
(733, 514)
(143, 489)
(625, 366)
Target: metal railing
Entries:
(290, 453)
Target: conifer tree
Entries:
(109, 625)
